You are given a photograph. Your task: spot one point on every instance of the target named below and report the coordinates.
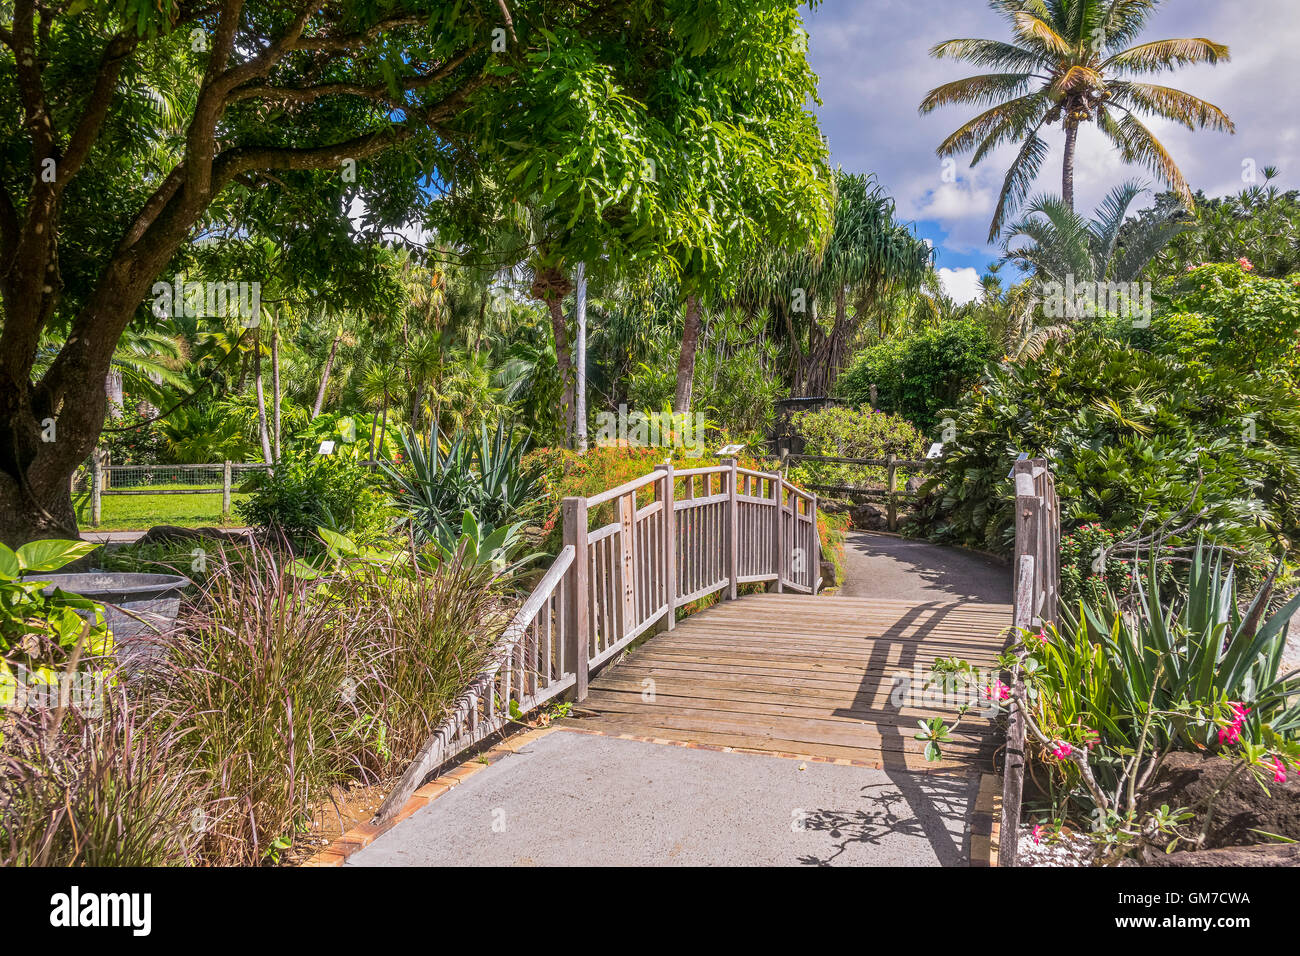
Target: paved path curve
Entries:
(906, 569)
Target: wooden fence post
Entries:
(733, 527)
(892, 462)
(225, 491)
(96, 486)
(579, 630)
(669, 556)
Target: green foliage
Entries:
(1223, 315)
(485, 477)
(38, 632)
(307, 492)
(837, 432)
(920, 375)
(1132, 437)
(1261, 223)
(1179, 670)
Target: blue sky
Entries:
(872, 58)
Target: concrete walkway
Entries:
(904, 569)
(577, 799)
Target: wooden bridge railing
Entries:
(668, 538)
(1036, 579)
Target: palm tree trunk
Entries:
(580, 358)
(113, 388)
(1067, 165)
(263, 433)
(325, 376)
(563, 363)
(383, 422)
(275, 381)
(686, 358)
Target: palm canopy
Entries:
(1061, 244)
(1072, 62)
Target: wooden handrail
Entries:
(610, 585)
(1037, 575)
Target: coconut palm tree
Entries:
(1072, 62)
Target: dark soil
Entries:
(1241, 815)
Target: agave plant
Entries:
(484, 477)
(1172, 659)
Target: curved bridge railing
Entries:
(661, 541)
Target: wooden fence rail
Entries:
(891, 495)
(662, 541)
(1036, 572)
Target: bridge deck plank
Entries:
(813, 676)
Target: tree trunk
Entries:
(686, 358)
(383, 424)
(325, 376)
(262, 430)
(580, 358)
(116, 400)
(1067, 165)
(275, 382)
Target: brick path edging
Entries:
(364, 834)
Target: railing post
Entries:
(815, 575)
(733, 529)
(578, 631)
(781, 548)
(1028, 572)
(669, 556)
(893, 492)
(96, 486)
(225, 491)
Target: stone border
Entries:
(364, 834)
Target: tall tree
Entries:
(196, 114)
(1072, 62)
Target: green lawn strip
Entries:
(141, 512)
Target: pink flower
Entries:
(1232, 733)
(1041, 637)
(1246, 265)
(1037, 832)
(997, 691)
(1062, 750)
(1279, 771)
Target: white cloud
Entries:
(961, 285)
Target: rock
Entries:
(868, 517)
(1277, 854)
(829, 579)
(1187, 780)
(166, 533)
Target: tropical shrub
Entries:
(1132, 437)
(837, 432)
(307, 492)
(38, 632)
(1224, 316)
(920, 375)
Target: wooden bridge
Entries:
(785, 672)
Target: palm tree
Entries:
(1061, 246)
(1072, 62)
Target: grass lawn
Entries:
(141, 512)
